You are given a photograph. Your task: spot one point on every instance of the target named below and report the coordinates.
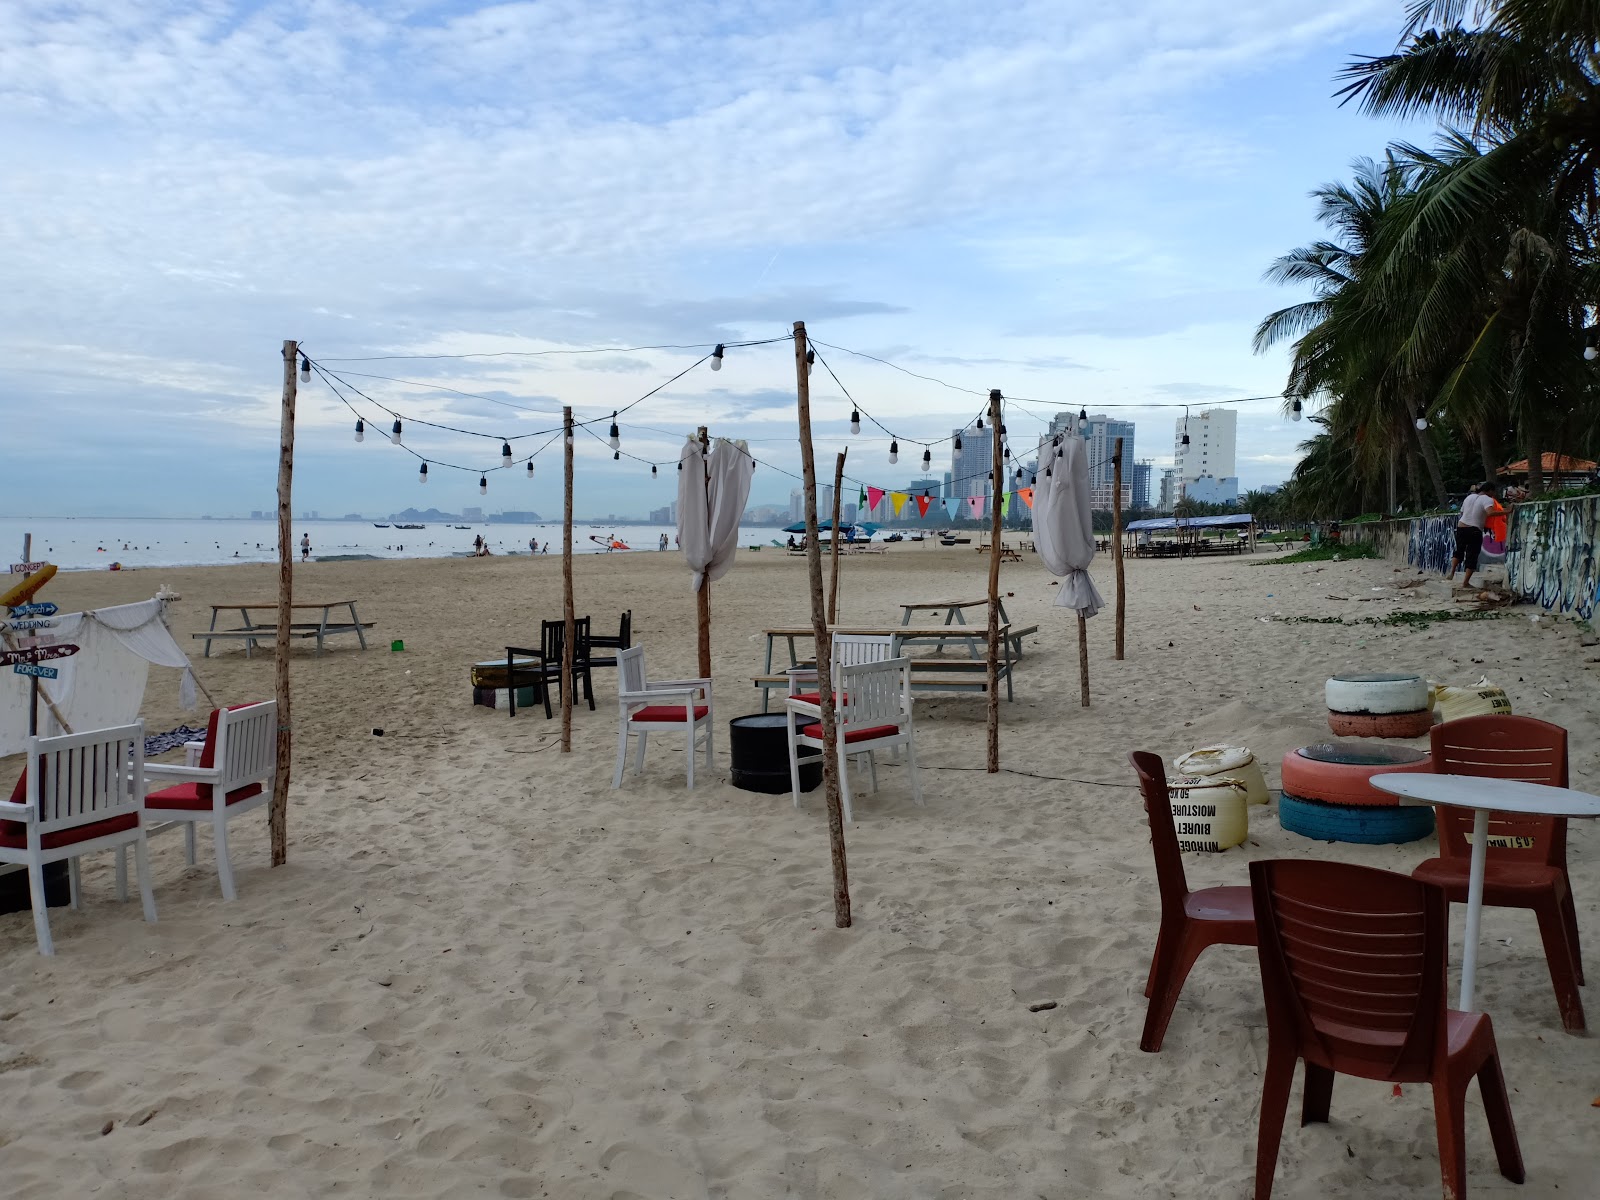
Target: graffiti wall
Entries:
(1552, 551)
(1550, 558)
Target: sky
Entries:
(1070, 201)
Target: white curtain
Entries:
(103, 683)
(1063, 522)
(712, 492)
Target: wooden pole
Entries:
(1116, 545)
(569, 630)
(278, 809)
(994, 585)
(833, 541)
(702, 598)
(1083, 660)
(819, 629)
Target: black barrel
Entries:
(759, 748)
(15, 896)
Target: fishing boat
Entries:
(379, 525)
(410, 526)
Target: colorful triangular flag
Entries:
(897, 501)
(977, 505)
(952, 505)
(922, 505)
(874, 494)
(1027, 496)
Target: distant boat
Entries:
(379, 525)
(461, 526)
(399, 526)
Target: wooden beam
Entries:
(1116, 542)
(993, 652)
(278, 807)
(569, 628)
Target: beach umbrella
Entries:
(1063, 534)
(713, 485)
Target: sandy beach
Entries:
(485, 972)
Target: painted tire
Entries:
(1376, 693)
(1366, 824)
(1388, 725)
(1233, 762)
(1340, 772)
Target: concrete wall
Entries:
(1423, 542)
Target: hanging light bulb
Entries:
(1032, 479)
(1083, 416)
(616, 434)
(505, 454)
(1185, 437)
(1422, 423)
(1294, 410)
(811, 361)
(716, 358)
(652, 470)
(1002, 431)
(483, 485)
(980, 423)
(1590, 353)
(305, 369)
(361, 430)
(894, 453)
(394, 434)
(616, 456)
(422, 474)
(1019, 474)
(855, 421)
(530, 468)
(927, 458)
(955, 451)
(1008, 453)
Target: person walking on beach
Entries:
(305, 547)
(533, 545)
(1469, 532)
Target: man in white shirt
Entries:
(1469, 532)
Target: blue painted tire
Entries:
(1366, 824)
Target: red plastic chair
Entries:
(1190, 921)
(1352, 967)
(1528, 868)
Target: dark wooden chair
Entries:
(1525, 864)
(622, 641)
(1190, 921)
(1352, 969)
(546, 667)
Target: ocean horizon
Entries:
(95, 543)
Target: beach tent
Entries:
(100, 686)
(1063, 522)
(1227, 520)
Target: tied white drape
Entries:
(100, 686)
(1063, 522)
(712, 491)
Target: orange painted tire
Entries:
(1341, 772)
(1381, 725)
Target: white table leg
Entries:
(1469, 948)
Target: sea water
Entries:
(90, 543)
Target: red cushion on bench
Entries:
(196, 796)
(666, 712)
(864, 734)
(14, 834)
(816, 697)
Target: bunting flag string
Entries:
(923, 504)
(897, 501)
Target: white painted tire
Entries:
(1234, 762)
(1377, 694)
(1209, 814)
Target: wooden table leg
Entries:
(356, 621)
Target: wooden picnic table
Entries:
(250, 632)
(969, 675)
(954, 613)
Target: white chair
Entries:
(874, 713)
(79, 793)
(848, 649)
(643, 711)
(232, 776)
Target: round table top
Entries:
(1378, 677)
(1501, 795)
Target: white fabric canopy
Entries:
(712, 491)
(103, 683)
(1063, 522)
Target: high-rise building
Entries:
(797, 504)
(1141, 484)
(930, 487)
(969, 474)
(1169, 489)
(1213, 434)
(1103, 434)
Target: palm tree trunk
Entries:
(1431, 458)
(1486, 449)
(1394, 495)
(1414, 478)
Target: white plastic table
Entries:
(1484, 795)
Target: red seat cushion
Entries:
(666, 712)
(196, 796)
(208, 761)
(815, 698)
(865, 733)
(14, 834)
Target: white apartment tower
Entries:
(1213, 435)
